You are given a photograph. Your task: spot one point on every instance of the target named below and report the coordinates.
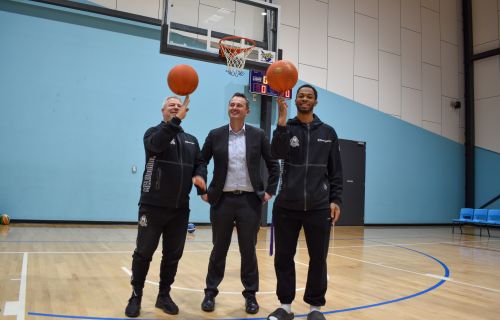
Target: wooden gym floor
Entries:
(82, 272)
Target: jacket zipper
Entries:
(158, 178)
(307, 163)
(182, 170)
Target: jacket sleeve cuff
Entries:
(199, 192)
(337, 201)
(270, 191)
(281, 129)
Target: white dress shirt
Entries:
(237, 171)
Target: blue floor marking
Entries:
(435, 286)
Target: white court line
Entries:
(377, 264)
(106, 252)
(438, 277)
(22, 288)
(262, 249)
(11, 308)
(459, 282)
(417, 273)
(127, 271)
(306, 265)
(22, 293)
(390, 244)
(69, 252)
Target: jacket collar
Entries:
(243, 130)
(316, 121)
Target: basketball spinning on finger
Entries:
(282, 75)
(182, 79)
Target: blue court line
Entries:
(446, 274)
(373, 305)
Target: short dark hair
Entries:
(308, 86)
(241, 95)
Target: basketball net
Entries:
(236, 50)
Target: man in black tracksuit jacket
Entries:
(173, 164)
(309, 197)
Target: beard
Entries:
(305, 111)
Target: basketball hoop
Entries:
(236, 50)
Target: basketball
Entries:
(282, 75)
(191, 227)
(182, 79)
(5, 219)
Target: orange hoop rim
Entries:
(234, 49)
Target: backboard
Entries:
(193, 29)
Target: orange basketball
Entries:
(5, 219)
(282, 75)
(182, 79)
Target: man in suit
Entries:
(236, 195)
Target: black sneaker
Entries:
(165, 302)
(133, 308)
(208, 303)
(281, 314)
(315, 315)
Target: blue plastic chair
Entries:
(493, 219)
(480, 218)
(466, 217)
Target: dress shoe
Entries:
(165, 302)
(251, 305)
(208, 304)
(133, 308)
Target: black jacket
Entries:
(172, 158)
(257, 147)
(312, 171)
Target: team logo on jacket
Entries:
(143, 221)
(173, 142)
(294, 142)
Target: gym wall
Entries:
(78, 92)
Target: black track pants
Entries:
(287, 226)
(153, 223)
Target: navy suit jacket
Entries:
(257, 147)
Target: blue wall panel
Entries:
(412, 175)
(75, 103)
(487, 176)
(76, 99)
